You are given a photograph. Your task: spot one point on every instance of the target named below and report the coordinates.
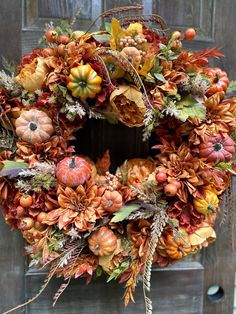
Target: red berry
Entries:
(176, 35)
(20, 211)
(61, 49)
(176, 183)
(189, 34)
(161, 177)
(176, 45)
(26, 223)
(51, 36)
(41, 216)
(170, 189)
(48, 52)
(63, 39)
(26, 200)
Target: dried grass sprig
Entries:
(50, 275)
(114, 12)
(145, 18)
(159, 222)
(69, 268)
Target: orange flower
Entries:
(172, 75)
(49, 151)
(136, 171)
(139, 236)
(79, 207)
(128, 103)
(181, 166)
(32, 75)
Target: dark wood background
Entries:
(181, 289)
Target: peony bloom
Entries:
(32, 75)
(136, 171)
(189, 219)
(127, 101)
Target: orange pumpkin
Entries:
(111, 201)
(102, 242)
(73, 171)
(26, 200)
(34, 126)
(177, 248)
(217, 149)
(219, 80)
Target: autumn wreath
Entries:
(78, 218)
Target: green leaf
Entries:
(108, 27)
(226, 166)
(231, 87)
(99, 271)
(189, 107)
(162, 46)
(175, 222)
(118, 271)
(124, 212)
(11, 169)
(63, 90)
(173, 57)
(159, 77)
(150, 79)
(103, 38)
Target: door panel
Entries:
(182, 287)
(11, 244)
(177, 288)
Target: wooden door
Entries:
(182, 288)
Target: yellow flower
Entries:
(202, 236)
(127, 101)
(32, 75)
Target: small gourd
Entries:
(133, 55)
(84, 82)
(73, 171)
(177, 247)
(34, 126)
(111, 201)
(208, 204)
(102, 242)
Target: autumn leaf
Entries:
(11, 169)
(124, 212)
(148, 64)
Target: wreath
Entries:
(77, 217)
